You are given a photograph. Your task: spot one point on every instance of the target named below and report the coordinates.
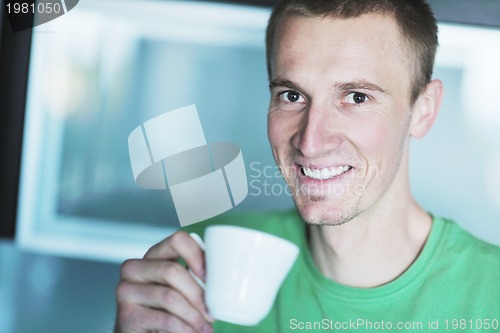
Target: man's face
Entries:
(339, 114)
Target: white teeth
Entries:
(325, 173)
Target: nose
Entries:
(319, 132)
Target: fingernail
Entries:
(207, 328)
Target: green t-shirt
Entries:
(454, 285)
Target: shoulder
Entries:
(466, 271)
(461, 240)
(461, 245)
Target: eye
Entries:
(291, 96)
(356, 98)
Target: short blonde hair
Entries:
(416, 22)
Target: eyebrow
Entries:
(361, 84)
(283, 83)
(343, 86)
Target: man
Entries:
(350, 85)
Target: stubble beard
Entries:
(323, 216)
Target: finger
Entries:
(169, 273)
(163, 298)
(136, 318)
(180, 245)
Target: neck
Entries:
(377, 246)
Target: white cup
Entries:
(244, 270)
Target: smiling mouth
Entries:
(325, 173)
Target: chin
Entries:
(318, 212)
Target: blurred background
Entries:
(74, 88)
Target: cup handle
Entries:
(199, 241)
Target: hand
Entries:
(157, 293)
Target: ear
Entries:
(426, 109)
